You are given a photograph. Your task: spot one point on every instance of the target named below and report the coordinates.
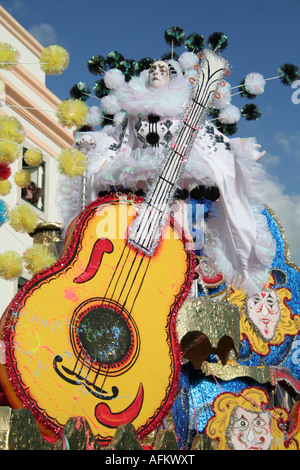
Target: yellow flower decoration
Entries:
(9, 151)
(9, 56)
(11, 265)
(38, 258)
(23, 219)
(72, 162)
(54, 60)
(72, 113)
(33, 157)
(22, 178)
(5, 187)
(11, 129)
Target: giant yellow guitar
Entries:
(94, 335)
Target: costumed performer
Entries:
(128, 154)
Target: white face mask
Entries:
(159, 74)
(263, 309)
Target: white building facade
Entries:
(27, 98)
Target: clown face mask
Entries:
(249, 430)
(263, 311)
(159, 76)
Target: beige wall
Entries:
(29, 100)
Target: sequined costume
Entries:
(130, 153)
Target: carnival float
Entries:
(174, 305)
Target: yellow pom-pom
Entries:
(22, 178)
(9, 151)
(11, 129)
(33, 157)
(72, 162)
(54, 60)
(23, 219)
(11, 265)
(72, 113)
(5, 187)
(9, 56)
(38, 258)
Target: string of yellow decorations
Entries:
(53, 60)
(72, 162)
(12, 134)
(23, 218)
(11, 129)
(9, 151)
(72, 112)
(9, 56)
(33, 157)
(22, 178)
(11, 266)
(37, 258)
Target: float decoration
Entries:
(54, 59)
(206, 327)
(247, 422)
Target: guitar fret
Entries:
(161, 195)
(169, 173)
(199, 104)
(191, 126)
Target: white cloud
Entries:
(271, 160)
(44, 33)
(287, 210)
(15, 6)
(289, 143)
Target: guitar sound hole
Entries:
(105, 335)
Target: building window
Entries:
(35, 192)
(21, 282)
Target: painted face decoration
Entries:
(249, 430)
(263, 311)
(159, 75)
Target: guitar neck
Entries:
(146, 229)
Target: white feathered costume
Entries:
(124, 154)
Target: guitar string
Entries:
(115, 273)
(181, 139)
(103, 300)
(154, 215)
(110, 297)
(168, 166)
(123, 305)
(82, 349)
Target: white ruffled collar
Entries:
(137, 98)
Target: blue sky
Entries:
(262, 35)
